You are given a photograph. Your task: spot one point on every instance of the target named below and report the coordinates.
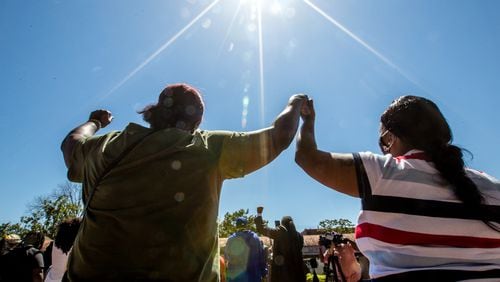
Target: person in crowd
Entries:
(245, 255)
(164, 180)
(222, 268)
(63, 242)
(47, 255)
(345, 263)
(35, 239)
(9, 242)
(425, 217)
(287, 263)
(39, 241)
(22, 262)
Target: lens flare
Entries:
(361, 41)
(161, 49)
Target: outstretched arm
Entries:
(262, 226)
(263, 229)
(334, 170)
(246, 152)
(281, 133)
(98, 119)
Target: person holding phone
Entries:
(287, 263)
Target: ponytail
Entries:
(433, 135)
(448, 160)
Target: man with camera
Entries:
(339, 258)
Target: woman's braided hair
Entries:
(419, 123)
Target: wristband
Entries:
(96, 122)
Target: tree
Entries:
(341, 226)
(12, 228)
(228, 225)
(46, 212)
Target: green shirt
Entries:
(153, 216)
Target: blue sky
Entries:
(62, 59)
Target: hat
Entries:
(13, 239)
(241, 221)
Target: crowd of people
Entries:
(247, 259)
(425, 216)
(36, 257)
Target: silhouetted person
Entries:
(245, 255)
(154, 211)
(63, 242)
(24, 262)
(287, 263)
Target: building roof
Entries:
(309, 240)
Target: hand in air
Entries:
(104, 116)
(298, 99)
(307, 111)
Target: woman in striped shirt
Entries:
(424, 215)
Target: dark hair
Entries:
(34, 238)
(292, 236)
(66, 234)
(179, 106)
(287, 222)
(419, 123)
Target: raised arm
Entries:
(262, 226)
(98, 119)
(249, 151)
(263, 229)
(334, 170)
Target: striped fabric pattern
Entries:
(411, 220)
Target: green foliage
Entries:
(12, 228)
(46, 212)
(341, 225)
(228, 225)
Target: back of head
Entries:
(241, 222)
(35, 239)
(419, 123)
(10, 241)
(287, 222)
(66, 234)
(179, 106)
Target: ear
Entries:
(392, 139)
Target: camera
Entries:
(331, 238)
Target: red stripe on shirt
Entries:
(417, 156)
(395, 236)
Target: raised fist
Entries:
(104, 116)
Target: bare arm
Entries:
(334, 170)
(98, 119)
(286, 124)
(262, 226)
(261, 147)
